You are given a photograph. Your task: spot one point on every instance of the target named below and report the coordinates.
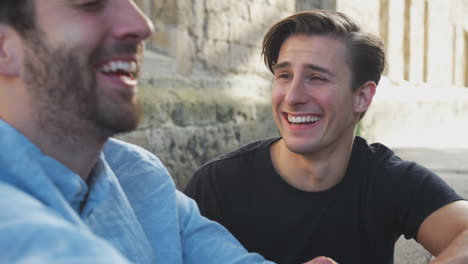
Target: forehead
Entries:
(316, 48)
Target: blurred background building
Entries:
(206, 90)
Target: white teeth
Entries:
(106, 68)
(115, 66)
(133, 67)
(121, 65)
(303, 119)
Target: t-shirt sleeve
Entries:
(202, 188)
(426, 192)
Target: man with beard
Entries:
(68, 81)
(318, 189)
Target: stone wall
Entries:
(212, 36)
(426, 40)
(205, 90)
(191, 120)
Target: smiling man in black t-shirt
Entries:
(318, 189)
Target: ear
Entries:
(363, 96)
(10, 51)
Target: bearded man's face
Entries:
(67, 85)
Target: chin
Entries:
(300, 147)
(304, 151)
(119, 119)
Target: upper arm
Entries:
(421, 193)
(42, 242)
(205, 241)
(441, 227)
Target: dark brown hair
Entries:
(366, 53)
(19, 14)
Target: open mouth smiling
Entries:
(120, 73)
(119, 67)
(299, 120)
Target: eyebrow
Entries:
(309, 66)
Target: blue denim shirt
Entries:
(130, 212)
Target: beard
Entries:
(67, 99)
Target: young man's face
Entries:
(313, 104)
(83, 61)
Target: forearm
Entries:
(456, 252)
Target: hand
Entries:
(321, 260)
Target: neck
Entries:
(60, 133)
(79, 153)
(73, 143)
(314, 172)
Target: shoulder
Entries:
(234, 166)
(381, 169)
(14, 200)
(130, 162)
(229, 172)
(21, 213)
(404, 180)
(246, 155)
(41, 235)
(117, 149)
(19, 208)
(383, 161)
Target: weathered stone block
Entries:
(218, 26)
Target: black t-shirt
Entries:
(357, 221)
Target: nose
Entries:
(295, 93)
(130, 22)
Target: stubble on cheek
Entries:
(67, 97)
(61, 87)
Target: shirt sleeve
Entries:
(175, 226)
(426, 192)
(205, 241)
(31, 233)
